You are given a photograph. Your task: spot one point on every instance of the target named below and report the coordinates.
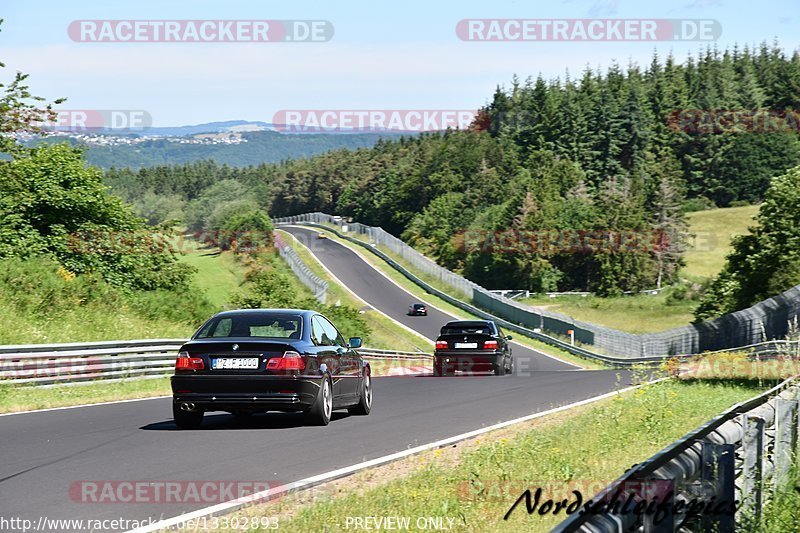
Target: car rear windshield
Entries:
(466, 328)
(253, 325)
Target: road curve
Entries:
(45, 454)
(392, 300)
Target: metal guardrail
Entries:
(744, 455)
(317, 285)
(772, 318)
(51, 364)
(770, 348)
(48, 364)
(369, 353)
(537, 335)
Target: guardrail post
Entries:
(658, 489)
(718, 470)
(785, 439)
(753, 467)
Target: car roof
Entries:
(301, 312)
(469, 323)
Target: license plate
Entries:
(466, 345)
(230, 363)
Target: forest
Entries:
(563, 184)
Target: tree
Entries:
(767, 261)
(21, 111)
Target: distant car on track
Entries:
(472, 345)
(259, 360)
(322, 235)
(417, 310)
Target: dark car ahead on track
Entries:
(472, 345)
(417, 310)
(259, 360)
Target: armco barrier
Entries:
(51, 364)
(575, 350)
(48, 364)
(743, 455)
(770, 319)
(318, 286)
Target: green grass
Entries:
(386, 333)
(15, 398)
(712, 232)
(579, 450)
(219, 275)
(641, 313)
(781, 514)
(86, 323)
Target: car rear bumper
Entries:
(232, 393)
(466, 361)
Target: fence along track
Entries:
(317, 285)
(73, 363)
(770, 319)
(745, 455)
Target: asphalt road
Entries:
(392, 300)
(46, 454)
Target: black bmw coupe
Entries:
(472, 345)
(259, 360)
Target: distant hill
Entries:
(209, 127)
(260, 147)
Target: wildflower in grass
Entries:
(66, 274)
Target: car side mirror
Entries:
(355, 342)
(509, 338)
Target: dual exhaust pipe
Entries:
(187, 406)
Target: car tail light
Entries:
(490, 345)
(187, 363)
(441, 345)
(289, 361)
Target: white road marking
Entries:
(84, 405)
(385, 275)
(313, 481)
(353, 294)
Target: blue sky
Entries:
(384, 55)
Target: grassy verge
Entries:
(475, 483)
(430, 280)
(85, 324)
(781, 514)
(386, 334)
(15, 398)
(219, 274)
(712, 232)
(641, 313)
(422, 295)
(42, 305)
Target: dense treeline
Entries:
(617, 123)
(608, 154)
(573, 184)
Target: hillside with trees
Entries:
(255, 148)
(565, 184)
